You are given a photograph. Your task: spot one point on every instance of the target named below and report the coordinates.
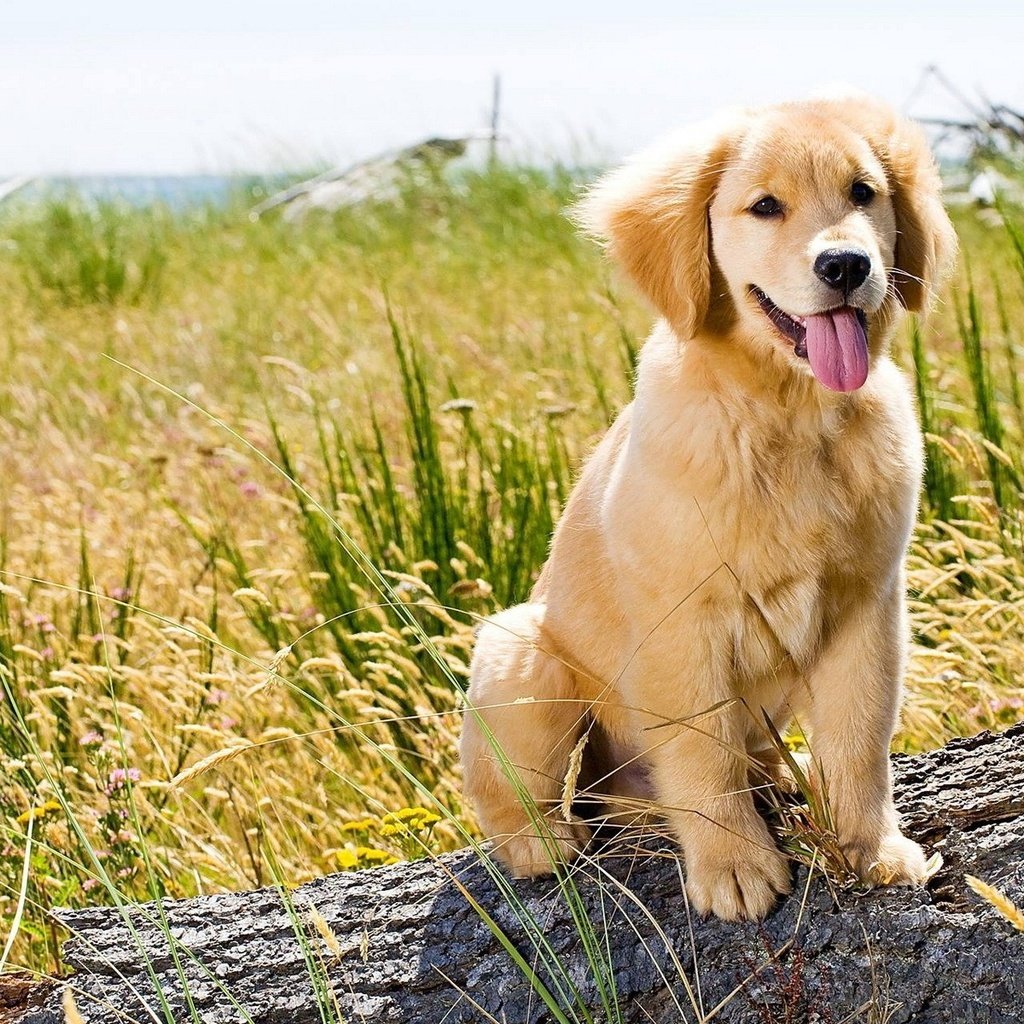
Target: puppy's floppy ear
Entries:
(653, 216)
(925, 241)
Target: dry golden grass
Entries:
(171, 609)
(990, 894)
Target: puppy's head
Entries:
(794, 230)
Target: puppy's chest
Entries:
(792, 526)
(810, 502)
(784, 563)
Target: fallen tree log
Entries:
(418, 942)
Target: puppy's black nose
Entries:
(844, 269)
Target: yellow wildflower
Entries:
(408, 819)
(371, 856)
(363, 825)
(347, 859)
(38, 812)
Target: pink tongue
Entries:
(837, 348)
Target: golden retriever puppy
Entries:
(734, 547)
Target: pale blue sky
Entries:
(113, 86)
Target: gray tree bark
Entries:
(414, 948)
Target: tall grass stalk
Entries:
(1002, 474)
(940, 483)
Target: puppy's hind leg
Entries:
(523, 720)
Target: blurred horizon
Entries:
(115, 89)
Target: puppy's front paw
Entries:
(893, 860)
(528, 854)
(741, 883)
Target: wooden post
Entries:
(495, 116)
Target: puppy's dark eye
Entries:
(767, 207)
(861, 193)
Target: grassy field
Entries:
(260, 478)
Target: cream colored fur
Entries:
(735, 544)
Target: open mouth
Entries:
(835, 341)
(793, 327)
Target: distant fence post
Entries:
(495, 117)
